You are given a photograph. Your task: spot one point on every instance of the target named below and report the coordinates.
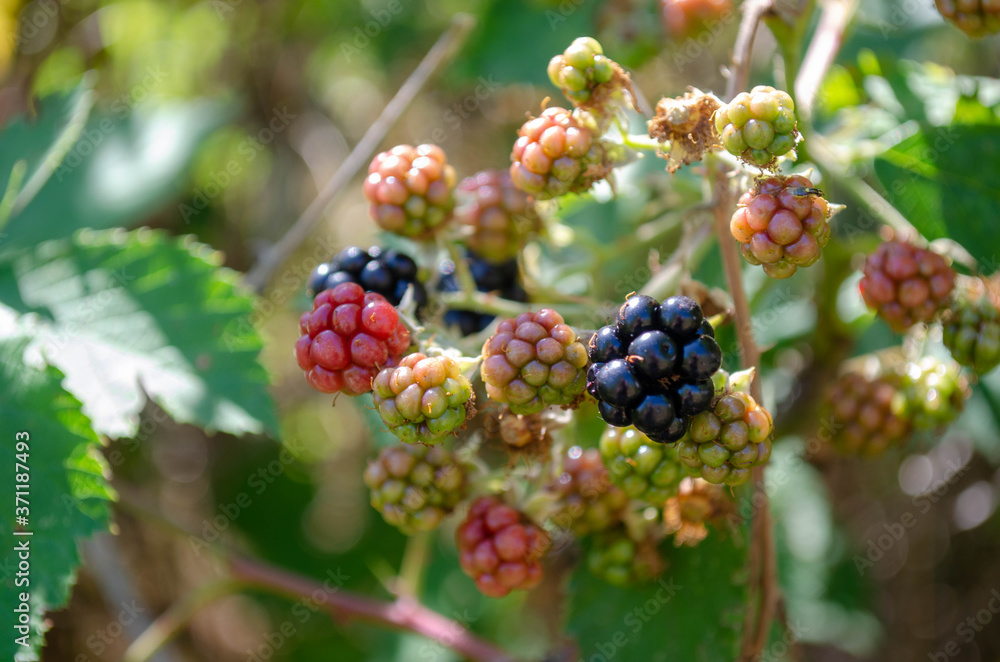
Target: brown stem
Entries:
(823, 48)
(739, 74)
(440, 54)
(402, 614)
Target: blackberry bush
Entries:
(644, 469)
(386, 272)
(867, 416)
(347, 338)
(758, 126)
(906, 284)
(415, 487)
(534, 361)
(411, 190)
(588, 499)
(782, 224)
(496, 216)
(652, 368)
(500, 548)
(423, 399)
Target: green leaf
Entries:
(138, 313)
(692, 613)
(128, 163)
(67, 492)
(945, 182)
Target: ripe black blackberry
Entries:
(385, 271)
(652, 368)
(500, 279)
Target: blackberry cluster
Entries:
(500, 279)
(558, 153)
(588, 499)
(758, 126)
(652, 368)
(697, 503)
(579, 69)
(415, 487)
(410, 190)
(533, 361)
(867, 416)
(387, 272)
(496, 216)
(620, 561)
(906, 284)
(972, 333)
(643, 469)
(782, 224)
(722, 445)
(347, 338)
(976, 18)
(935, 392)
(423, 399)
(500, 548)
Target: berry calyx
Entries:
(697, 504)
(617, 559)
(410, 190)
(866, 416)
(723, 444)
(758, 126)
(588, 500)
(976, 18)
(500, 548)
(496, 217)
(782, 224)
(415, 487)
(643, 469)
(387, 272)
(972, 332)
(558, 153)
(906, 284)
(652, 368)
(347, 338)
(533, 361)
(935, 392)
(423, 399)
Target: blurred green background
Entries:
(223, 118)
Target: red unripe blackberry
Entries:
(557, 153)
(496, 216)
(500, 548)
(347, 338)
(866, 416)
(415, 487)
(758, 126)
(534, 361)
(972, 332)
(589, 500)
(410, 190)
(906, 284)
(723, 444)
(935, 392)
(614, 557)
(782, 224)
(697, 504)
(976, 18)
(684, 18)
(423, 399)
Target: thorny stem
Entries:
(440, 54)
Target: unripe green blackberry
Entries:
(867, 416)
(972, 333)
(415, 487)
(580, 69)
(758, 126)
(935, 392)
(410, 190)
(782, 224)
(906, 284)
(423, 399)
(496, 216)
(976, 18)
(534, 361)
(589, 501)
(620, 561)
(644, 469)
(723, 444)
(697, 503)
(557, 153)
